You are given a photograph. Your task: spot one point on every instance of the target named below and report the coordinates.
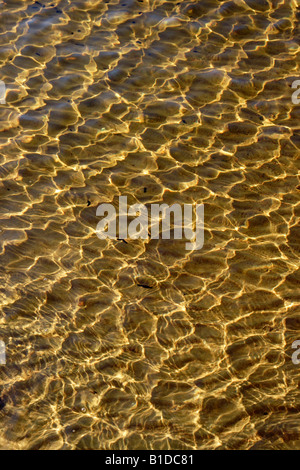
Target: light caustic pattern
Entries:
(134, 344)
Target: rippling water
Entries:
(134, 344)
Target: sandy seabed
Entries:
(134, 344)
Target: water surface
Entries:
(141, 344)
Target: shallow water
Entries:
(141, 344)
